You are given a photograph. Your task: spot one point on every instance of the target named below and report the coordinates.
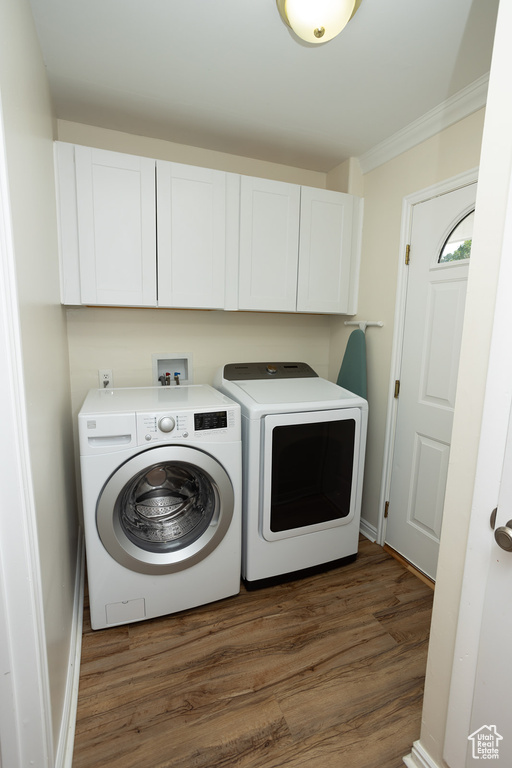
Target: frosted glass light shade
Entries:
(317, 21)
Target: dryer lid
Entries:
(281, 391)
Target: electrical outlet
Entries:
(105, 378)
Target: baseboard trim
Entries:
(64, 753)
(419, 758)
(368, 530)
(410, 567)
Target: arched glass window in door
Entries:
(457, 246)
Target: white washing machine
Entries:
(304, 441)
(161, 484)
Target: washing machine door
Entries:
(165, 509)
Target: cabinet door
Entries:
(116, 227)
(191, 204)
(329, 251)
(269, 241)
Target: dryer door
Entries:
(165, 509)
(310, 471)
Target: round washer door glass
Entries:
(165, 509)
(167, 506)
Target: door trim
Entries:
(25, 697)
(408, 203)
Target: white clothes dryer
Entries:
(304, 441)
(161, 486)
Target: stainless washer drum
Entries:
(169, 505)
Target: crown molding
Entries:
(463, 104)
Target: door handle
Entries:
(503, 536)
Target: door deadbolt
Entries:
(503, 536)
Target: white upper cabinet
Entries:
(191, 208)
(299, 248)
(330, 230)
(115, 198)
(140, 232)
(269, 241)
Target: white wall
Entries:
(447, 154)
(28, 125)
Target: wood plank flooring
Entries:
(323, 672)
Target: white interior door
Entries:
(436, 292)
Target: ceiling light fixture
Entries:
(317, 21)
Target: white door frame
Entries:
(25, 706)
(441, 188)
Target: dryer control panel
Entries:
(262, 371)
(221, 424)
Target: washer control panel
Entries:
(205, 425)
(211, 420)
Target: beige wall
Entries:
(347, 177)
(116, 141)
(29, 135)
(124, 340)
(447, 154)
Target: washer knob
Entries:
(166, 424)
(271, 369)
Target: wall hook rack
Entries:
(363, 324)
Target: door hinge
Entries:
(407, 254)
(386, 509)
(397, 387)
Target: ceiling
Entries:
(228, 75)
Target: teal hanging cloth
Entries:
(352, 375)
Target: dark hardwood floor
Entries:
(324, 672)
